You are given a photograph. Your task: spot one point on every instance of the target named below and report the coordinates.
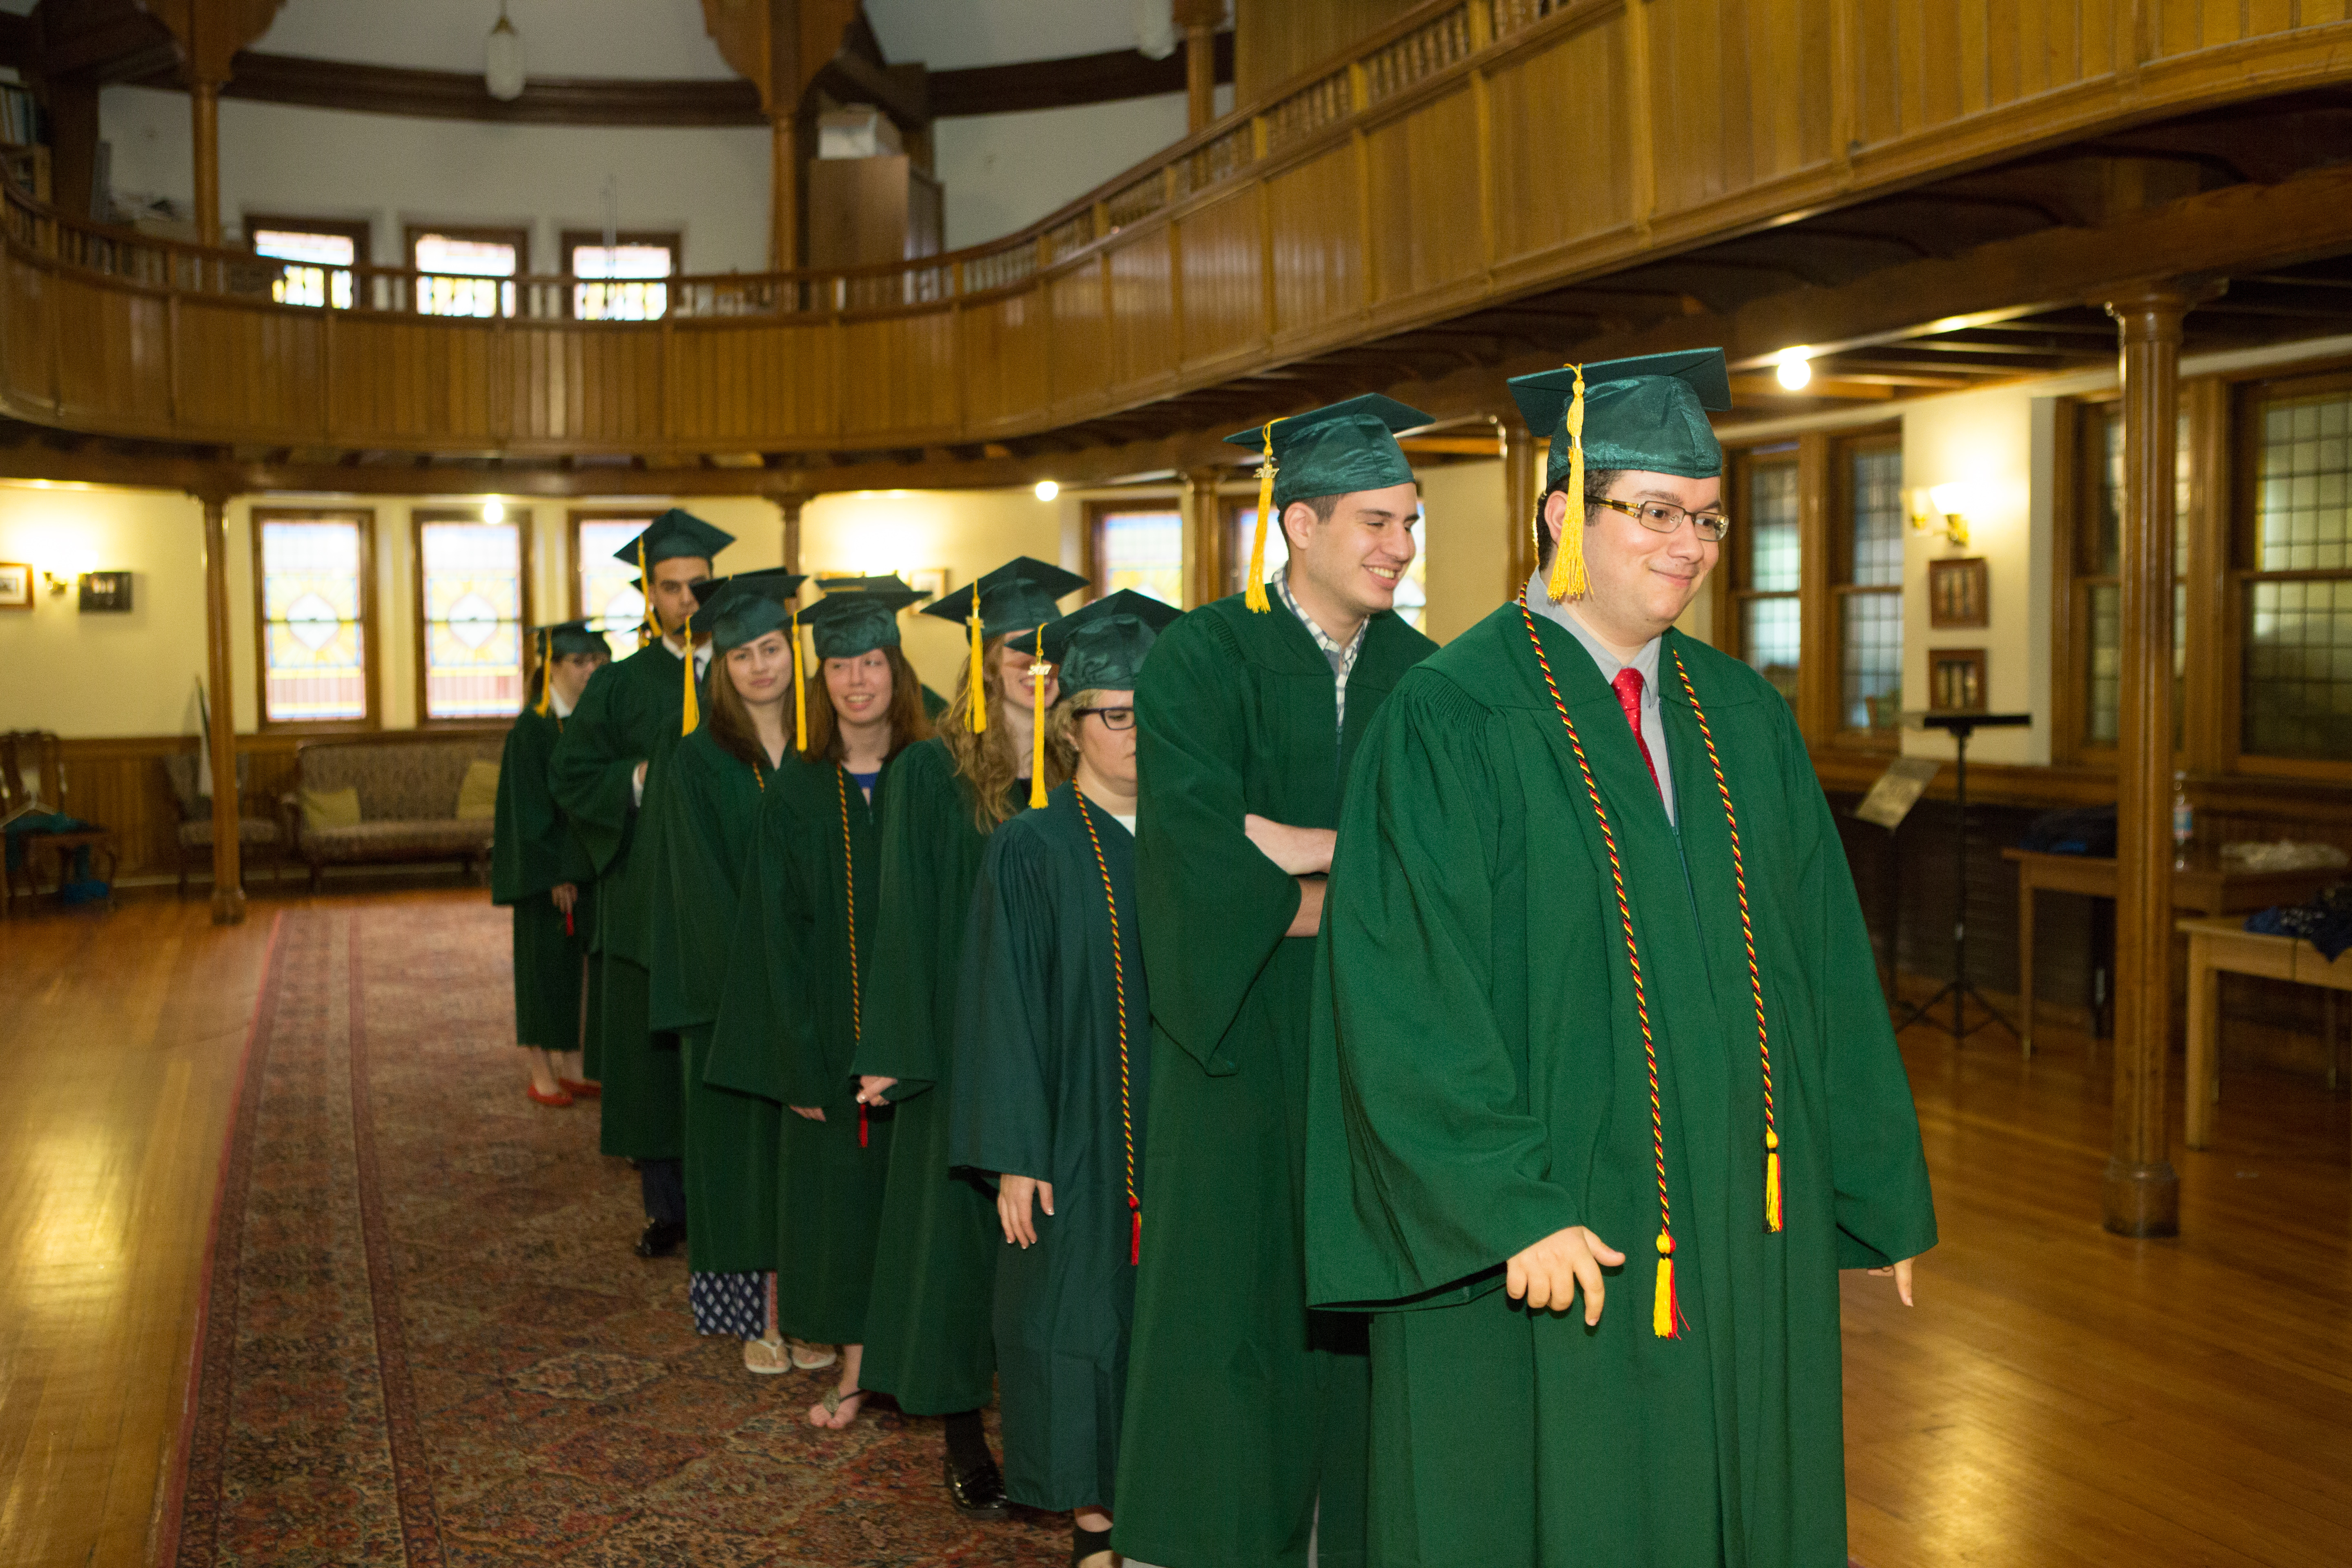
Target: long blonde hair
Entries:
(986, 763)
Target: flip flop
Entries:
(764, 1358)
(832, 1399)
(807, 1357)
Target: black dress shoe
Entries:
(979, 1493)
(661, 1237)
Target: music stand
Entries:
(1961, 726)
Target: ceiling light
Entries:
(1796, 370)
(502, 71)
(494, 511)
(1047, 489)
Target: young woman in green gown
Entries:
(540, 867)
(803, 972)
(1052, 1069)
(930, 1343)
(704, 802)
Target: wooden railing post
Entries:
(228, 883)
(1198, 18)
(2141, 1192)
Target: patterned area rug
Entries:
(426, 1341)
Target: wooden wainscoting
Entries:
(119, 783)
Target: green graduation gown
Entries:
(1049, 1085)
(929, 1341)
(1479, 1083)
(629, 712)
(533, 852)
(706, 811)
(787, 1030)
(1235, 1393)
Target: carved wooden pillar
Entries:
(790, 505)
(1198, 18)
(2142, 1194)
(229, 884)
(204, 109)
(1519, 491)
(1207, 543)
(783, 192)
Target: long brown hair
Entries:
(728, 719)
(986, 763)
(908, 722)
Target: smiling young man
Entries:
(1597, 1016)
(628, 719)
(1244, 1436)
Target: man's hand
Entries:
(1309, 917)
(1012, 1195)
(873, 1089)
(1545, 1276)
(813, 1113)
(566, 895)
(1301, 851)
(1902, 1272)
(638, 784)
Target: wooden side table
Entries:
(2219, 946)
(2204, 886)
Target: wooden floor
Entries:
(2058, 1395)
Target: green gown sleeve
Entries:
(919, 833)
(1212, 908)
(591, 773)
(1421, 1133)
(694, 887)
(1004, 1088)
(529, 848)
(1877, 1169)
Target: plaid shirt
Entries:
(1342, 660)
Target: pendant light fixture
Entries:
(502, 70)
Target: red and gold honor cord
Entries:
(849, 893)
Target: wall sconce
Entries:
(58, 582)
(1942, 507)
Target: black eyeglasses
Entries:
(1659, 517)
(1112, 718)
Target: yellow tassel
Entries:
(800, 690)
(1254, 591)
(652, 624)
(1663, 1314)
(693, 709)
(979, 704)
(1037, 733)
(1569, 580)
(546, 672)
(1772, 1179)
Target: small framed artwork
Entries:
(106, 591)
(930, 580)
(1955, 679)
(1957, 593)
(16, 585)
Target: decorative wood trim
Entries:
(520, 518)
(2069, 624)
(1818, 572)
(371, 650)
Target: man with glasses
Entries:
(1597, 1016)
(1243, 1441)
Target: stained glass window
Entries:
(607, 599)
(629, 284)
(1870, 598)
(2297, 682)
(470, 584)
(1768, 563)
(313, 609)
(317, 271)
(461, 273)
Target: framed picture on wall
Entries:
(1958, 592)
(16, 585)
(931, 580)
(106, 591)
(1955, 679)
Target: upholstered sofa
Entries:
(407, 788)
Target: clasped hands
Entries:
(871, 1089)
(1548, 1275)
(1305, 854)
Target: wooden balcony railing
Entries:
(1471, 151)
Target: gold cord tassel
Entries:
(1663, 1317)
(1254, 591)
(1037, 672)
(546, 672)
(1569, 580)
(650, 627)
(978, 707)
(1772, 1179)
(800, 690)
(693, 707)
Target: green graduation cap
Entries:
(673, 533)
(1017, 596)
(1100, 647)
(557, 639)
(1326, 451)
(889, 582)
(857, 615)
(1647, 414)
(749, 605)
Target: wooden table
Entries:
(2219, 946)
(2203, 885)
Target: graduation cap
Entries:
(1326, 451)
(559, 638)
(1017, 596)
(738, 609)
(1647, 414)
(1100, 647)
(890, 581)
(858, 615)
(673, 533)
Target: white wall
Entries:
(660, 39)
(1005, 172)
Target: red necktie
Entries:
(1628, 687)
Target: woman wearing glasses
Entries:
(1052, 1069)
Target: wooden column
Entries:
(204, 109)
(228, 883)
(1520, 488)
(2142, 1194)
(790, 505)
(783, 194)
(1198, 18)
(1206, 542)
(1817, 639)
